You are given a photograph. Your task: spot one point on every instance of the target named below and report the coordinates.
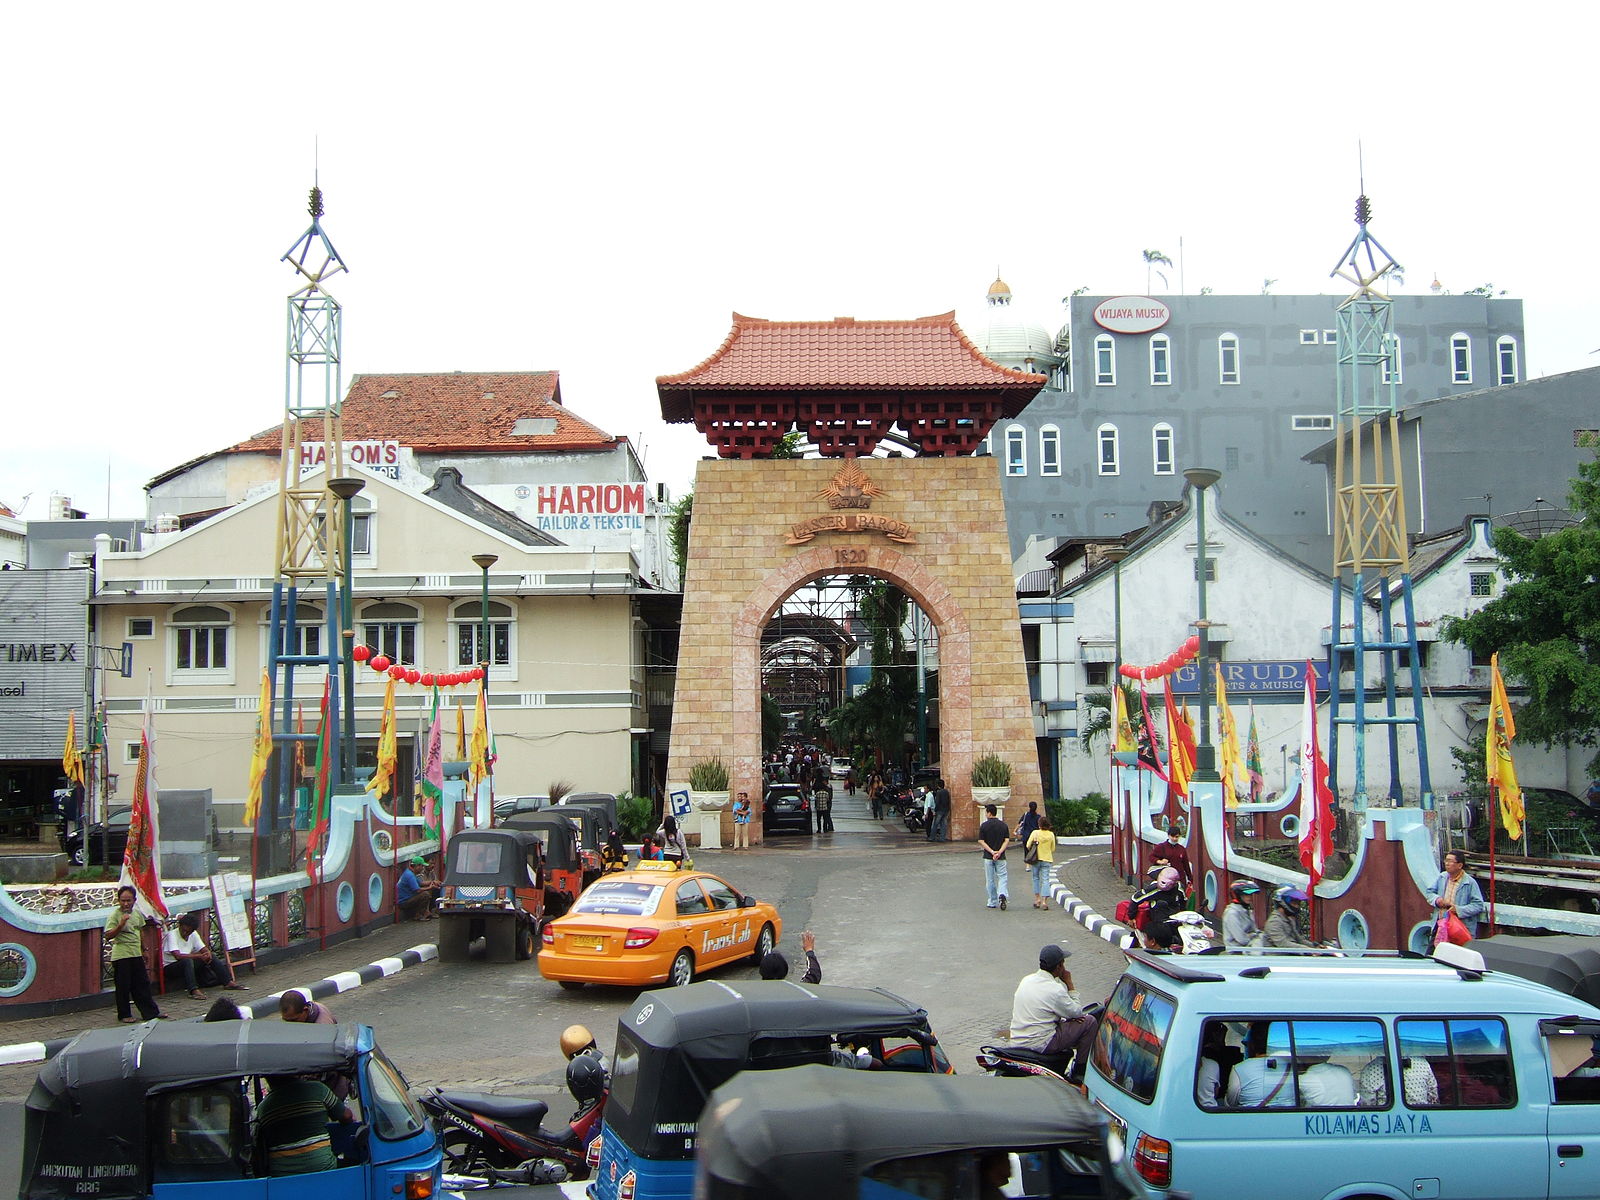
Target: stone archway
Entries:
(936, 530)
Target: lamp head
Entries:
(485, 561)
(345, 487)
(1114, 554)
(1201, 478)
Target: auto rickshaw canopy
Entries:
(505, 857)
(558, 832)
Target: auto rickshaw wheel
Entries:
(682, 973)
(455, 939)
(525, 941)
(764, 944)
(500, 941)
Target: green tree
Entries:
(789, 445)
(878, 720)
(1545, 624)
(1097, 705)
(771, 724)
(1151, 259)
(678, 533)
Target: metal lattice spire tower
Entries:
(1370, 546)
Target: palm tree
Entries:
(1151, 259)
(1098, 724)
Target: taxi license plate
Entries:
(586, 941)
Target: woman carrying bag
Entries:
(1039, 856)
(673, 847)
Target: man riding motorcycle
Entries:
(1283, 926)
(1239, 928)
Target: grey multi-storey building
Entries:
(1142, 387)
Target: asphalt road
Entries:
(888, 912)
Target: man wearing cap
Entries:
(414, 902)
(1046, 1014)
(1239, 929)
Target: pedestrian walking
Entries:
(674, 849)
(1039, 852)
(993, 837)
(1457, 892)
(822, 801)
(124, 929)
(875, 794)
(741, 822)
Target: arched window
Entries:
(1228, 358)
(1016, 450)
(1105, 360)
(391, 630)
(1049, 450)
(468, 641)
(199, 636)
(1161, 455)
(1460, 358)
(1160, 360)
(1505, 360)
(1110, 453)
(1392, 371)
(306, 638)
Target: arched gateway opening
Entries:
(933, 525)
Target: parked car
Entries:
(841, 767)
(504, 806)
(785, 806)
(101, 843)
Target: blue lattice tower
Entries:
(1370, 546)
(310, 516)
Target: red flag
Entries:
(1316, 800)
(1180, 744)
(1149, 743)
(141, 860)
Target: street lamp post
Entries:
(346, 489)
(485, 654)
(1205, 767)
(1114, 555)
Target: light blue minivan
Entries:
(1281, 1077)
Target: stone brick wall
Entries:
(956, 566)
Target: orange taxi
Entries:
(655, 924)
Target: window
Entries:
(1105, 360)
(1161, 449)
(690, 898)
(394, 1113)
(306, 636)
(391, 630)
(1479, 658)
(201, 1133)
(1211, 568)
(130, 753)
(1460, 359)
(1402, 657)
(722, 896)
(1016, 450)
(1228, 358)
(1584, 439)
(1106, 438)
(141, 627)
(1467, 1056)
(1330, 337)
(1160, 360)
(1301, 1064)
(1133, 1032)
(1392, 371)
(468, 618)
(1310, 421)
(1049, 450)
(1481, 583)
(1230, 458)
(1505, 360)
(1575, 1068)
(1308, 337)
(200, 639)
(1096, 674)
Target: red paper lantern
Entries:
(397, 673)
(380, 663)
(428, 680)
(478, 672)
(452, 679)
(1126, 670)
(361, 653)
(1193, 644)
(412, 675)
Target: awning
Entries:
(1097, 652)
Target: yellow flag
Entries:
(479, 754)
(71, 759)
(1228, 757)
(461, 734)
(1499, 769)
(1121, 727)
(382, 781)
(261, 755)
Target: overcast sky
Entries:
(593, 188)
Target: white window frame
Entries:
(178, 631)
(1049, 450)
(1106, 435)
(1163, 432)
(1460, 341)
(1472, 581)
(139, 637)
(1330, 337)
(378, 643)
(1310, 422)
(1226, 342)
(1107, 377)
(1308, 337)
(459, 620)
(296, 636)
(1161, 378)
(1016, 451)
(1503, 345)
(130, 753)
(1393, 371)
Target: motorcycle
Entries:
(1020, 1062)
(1195, 935)
(911, 813)
(492, 1139)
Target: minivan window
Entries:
(1574, 1067)
(1133, 1030)
(1303, 1063)
(1468, 1057)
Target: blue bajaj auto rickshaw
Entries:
(818, 1131)
(676, 1045)
(168, 1111)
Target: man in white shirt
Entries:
(1327, 1085)
(1262, 1080)
(189, 960)
(1046, 1014)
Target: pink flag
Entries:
(1316, 800)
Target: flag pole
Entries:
(1494, 799)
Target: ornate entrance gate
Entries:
(935, 527)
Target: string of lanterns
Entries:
(1180, 658)
(382, 664)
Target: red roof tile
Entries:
(457, 411)
(926, 353)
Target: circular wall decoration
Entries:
(1420, 939)
(382, 842)
(345, 901)
(1210, 890)
(374, 892)
(1290, 824)
(1353, 933)
(18, 968)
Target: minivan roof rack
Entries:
(1173, 969)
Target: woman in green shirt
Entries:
(123, 930)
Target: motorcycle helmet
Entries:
(1244, 887)
(1288, 899)
(575, 1039)
(586, 1078)
(1168, 879)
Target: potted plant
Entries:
(991, 781)
(708, 792)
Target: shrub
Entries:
(1081, 817)
(991, 771)
(560, 788)
(636, 815)
(708, 775)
